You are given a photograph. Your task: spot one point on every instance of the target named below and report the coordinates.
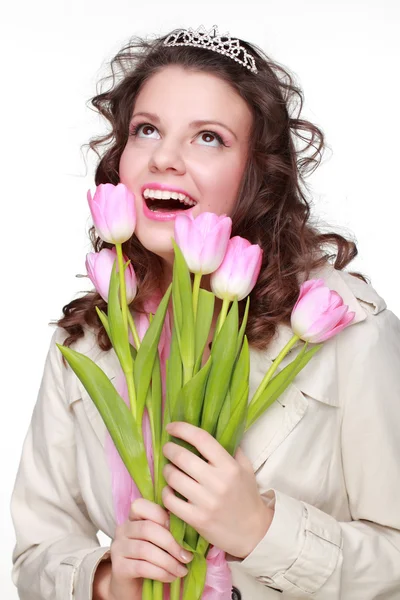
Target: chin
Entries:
(158, 243)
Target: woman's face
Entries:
(187, 150)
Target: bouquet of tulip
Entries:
(208, 392)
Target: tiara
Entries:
(212, 40)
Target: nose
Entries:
(166, 156)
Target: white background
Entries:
(346, 56)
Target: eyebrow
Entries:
(194, 124)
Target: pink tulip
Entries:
(319, 313)
(203, 240)
(239, 270)
(113, 212)
(99, 266)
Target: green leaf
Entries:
(154, 408)
(231, 436)
(224, 416)
(174, 371)
(117, 418)
(133, 352)
(104, 320)
(191, 537)
(279, 384)
(205, 313)
(243, 326)
(146, 355)
(192, 395)
(223, 353)
(185, 322)
(241, 373)
(119, 335)
(194, 581)
(232, 419)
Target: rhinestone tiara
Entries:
(212, 40)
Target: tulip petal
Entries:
(335, 300)
(219, 577)
(325, 323)
(306, 287)
(202, 240)
(348, 317)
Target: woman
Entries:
(308, 507)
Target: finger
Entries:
(159, 536)
(243, 461)
(189, 463)
(141, 568)
(145, 509)
(145, 551)
(208, 446)
(185, 485)
(182, 509)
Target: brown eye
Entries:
(207, 137)
(145, 130)
(210, 138)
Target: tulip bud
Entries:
(113, 212)
(99, 266)
(203, 240)
(237, 275)
(319, 312)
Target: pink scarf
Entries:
(218, 584)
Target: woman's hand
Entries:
(144, 548)
(224, 504)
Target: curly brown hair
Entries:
(272, 208)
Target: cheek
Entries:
(223, 182)
(131, 164)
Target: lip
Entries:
(163, 216)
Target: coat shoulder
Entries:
(364, 292)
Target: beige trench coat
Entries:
(326, 455)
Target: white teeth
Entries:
(166, 195)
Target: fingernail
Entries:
(186, 555)
(182, 570)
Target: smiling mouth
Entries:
(164, 201)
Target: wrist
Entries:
(260, 528)
(101, 580)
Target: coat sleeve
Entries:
(307, 553)
(57, 550)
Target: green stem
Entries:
(134, 330)
(121, 272)
(175, 589)
(223, 313)
(196, 289)
(271, 371)
(202, 546)
(150, 410)
(131, 392)
(158, 590)
(147, 589)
